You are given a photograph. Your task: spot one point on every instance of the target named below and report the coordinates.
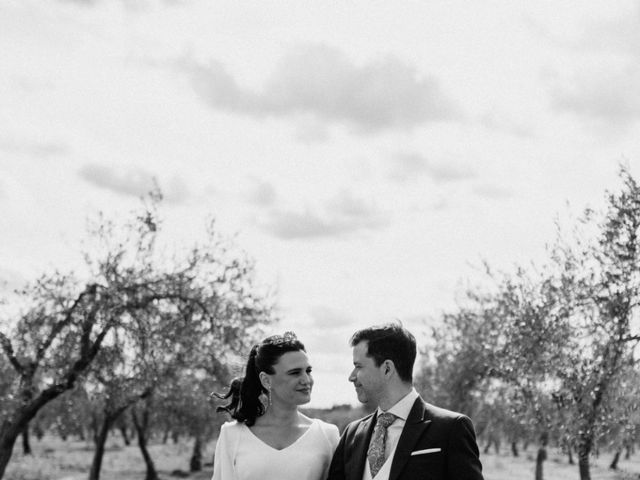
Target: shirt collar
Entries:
(403, 407)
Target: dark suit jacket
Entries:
(427, 427)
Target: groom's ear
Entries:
(388, 367)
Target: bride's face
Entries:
(292, 381)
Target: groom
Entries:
(405, 438)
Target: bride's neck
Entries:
(282, 415)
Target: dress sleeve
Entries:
(336, 468)
(223, 457)
(331, 438)
(333, 435)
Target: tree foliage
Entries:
(558, 340)
(143, 307)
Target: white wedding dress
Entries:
(240, 455)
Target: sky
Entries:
(368, 155)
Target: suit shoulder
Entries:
(443, 413)
(354, 423)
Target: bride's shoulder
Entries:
(231, 428)
(232, 424)
(328, 428)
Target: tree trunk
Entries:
(37, 430)
(141, 426)
(540, 458)
(492, 440)
(514, 449)
(196, 459)
(569, 448)
(5, 456)
(487, 447)
(122, 425)
(100, 440)
(8, 436)
(10, 429)
(125, 437)
(584, 468)
(628, 447)
(614, 462)
(26, 444)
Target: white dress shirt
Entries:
(401, 410)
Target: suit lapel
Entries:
(417, 422)
(361, 445)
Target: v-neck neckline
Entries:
(313, 422)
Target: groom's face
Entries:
(366, 376)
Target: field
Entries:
(55, 460)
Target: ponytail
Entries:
(245, 405)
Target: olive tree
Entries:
(66, 318)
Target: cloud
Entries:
(262, 193)
(291, 225)
(618, 35)
(492, 191)
(609, 96)
(311, 130)
(327, 318)
(132, 181)
(407, 166)
(344, 214)
(321, 81)
(606, 95)
(33, 148)
(505, 124)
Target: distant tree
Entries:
(140, 413)
(66, 321)
(600, 272)
(455, 365)
(67, 414)
(501, 352)
(624, 430)
(186, 404)
(558, 336)
(110, 399)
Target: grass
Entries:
(54, 459)
(57, 460)
(557, 467)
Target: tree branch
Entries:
(8, 349)
(57, 328)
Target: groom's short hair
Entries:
(390, 342)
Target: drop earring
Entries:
(265, 398)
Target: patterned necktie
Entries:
(375, 454)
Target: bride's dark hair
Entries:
(245, 405)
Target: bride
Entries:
(270, 439)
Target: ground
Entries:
(57, 460)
